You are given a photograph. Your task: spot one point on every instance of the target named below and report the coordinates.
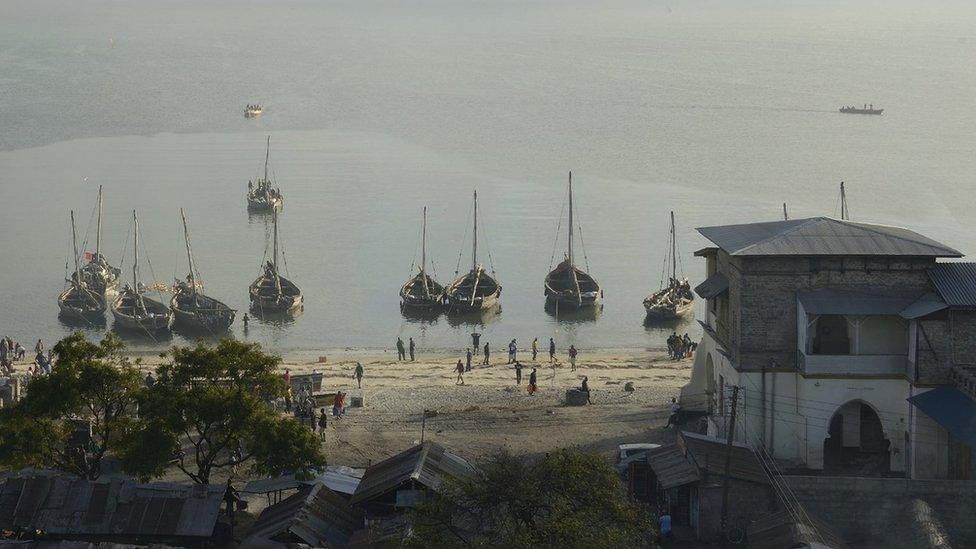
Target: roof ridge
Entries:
(420, 461)
(871, 228)
(804, 223)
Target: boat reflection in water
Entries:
(277, 318)
(573, 314)
(94, 324)
(420, 314)
(479, 317)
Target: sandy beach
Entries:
(490, 412)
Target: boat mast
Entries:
(474, 250)
(267, 153)
(98, 225)
(74, 244)
(423, 255)
(274, 263)
(570, 218)
(189, 256)
(674, 249)
(135, 245)
(844, 215)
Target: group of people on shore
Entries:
(12, 351)
(680, 347)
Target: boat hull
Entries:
(570, 302)
(156, 319)
(261, 205)
(73, 310)
(214, 320)
(658, 312)
(413, 293)
(467, 305)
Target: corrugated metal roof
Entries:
(72, 506)
(671, 467)
(951, 409)
(823, 236)
(429, 463)
(339, 478)
(709, 455)
(315, 515)
(784, 529)
(713, 286)
(842, 301)
(956, 283)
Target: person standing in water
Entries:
(413, 347)
(475, 340)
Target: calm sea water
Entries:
(719, 111)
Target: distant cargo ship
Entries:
(866, 109)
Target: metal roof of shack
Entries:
(956, 283)
(429, 464)
(63, 505)
(315, 515)
(823, 236)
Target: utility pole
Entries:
(728, 465)
(423, 426)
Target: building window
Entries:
(883, 335)
(831, 336)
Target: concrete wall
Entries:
(887, 512)
(748, 501)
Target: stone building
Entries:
(833, 331)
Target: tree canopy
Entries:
(72, 418)
(565, 499)
(210, 410)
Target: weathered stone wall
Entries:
(963, 325)
(889, 512)
(762, 292)
(934, 350)
(748, 501)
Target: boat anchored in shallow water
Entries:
(866, 109)
(191, 308)
(78, 301)
(272, 293)
(253, 111)
(262, 196)
(422, 291)
(675, 299)
(568, 286)
(97, 275)
(476, 289)
(132, 310)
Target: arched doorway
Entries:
(856, 443)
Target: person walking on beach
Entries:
(518, 373)
(413, 347)
(39, 348)
(486, 353)
(532, 383)
(339, 404)
(401, 352)
(552, 350)
(467, 363)
(460, 373)
(323, 423)
(359, 375)
(585, 388)
(475, 340)
(572, 357)
(512, 349)
(535, 348)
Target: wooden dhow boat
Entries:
(132, 310)
(261, 195)
(568, 286)
(253, 111)
(476, 289)
(421, 291)
(674, 299)
(272, 293)
(97, 274)
(78, 301)
(191, 308)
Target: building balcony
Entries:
(853, 365)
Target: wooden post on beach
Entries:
(423, 426)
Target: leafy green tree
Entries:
(565, 499)
(210, 410)
(93, 387)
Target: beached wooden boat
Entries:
(77, 300)
(132, 310)
(98, 275)
(191, 308)
(476, 289)
(421, 291)
(568, 286)
(674, 299)
(261, 195)
(271, 292)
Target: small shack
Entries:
(315, 516)
(403, 480)
(116, 511)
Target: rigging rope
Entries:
(555, 241)
(464, 238)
